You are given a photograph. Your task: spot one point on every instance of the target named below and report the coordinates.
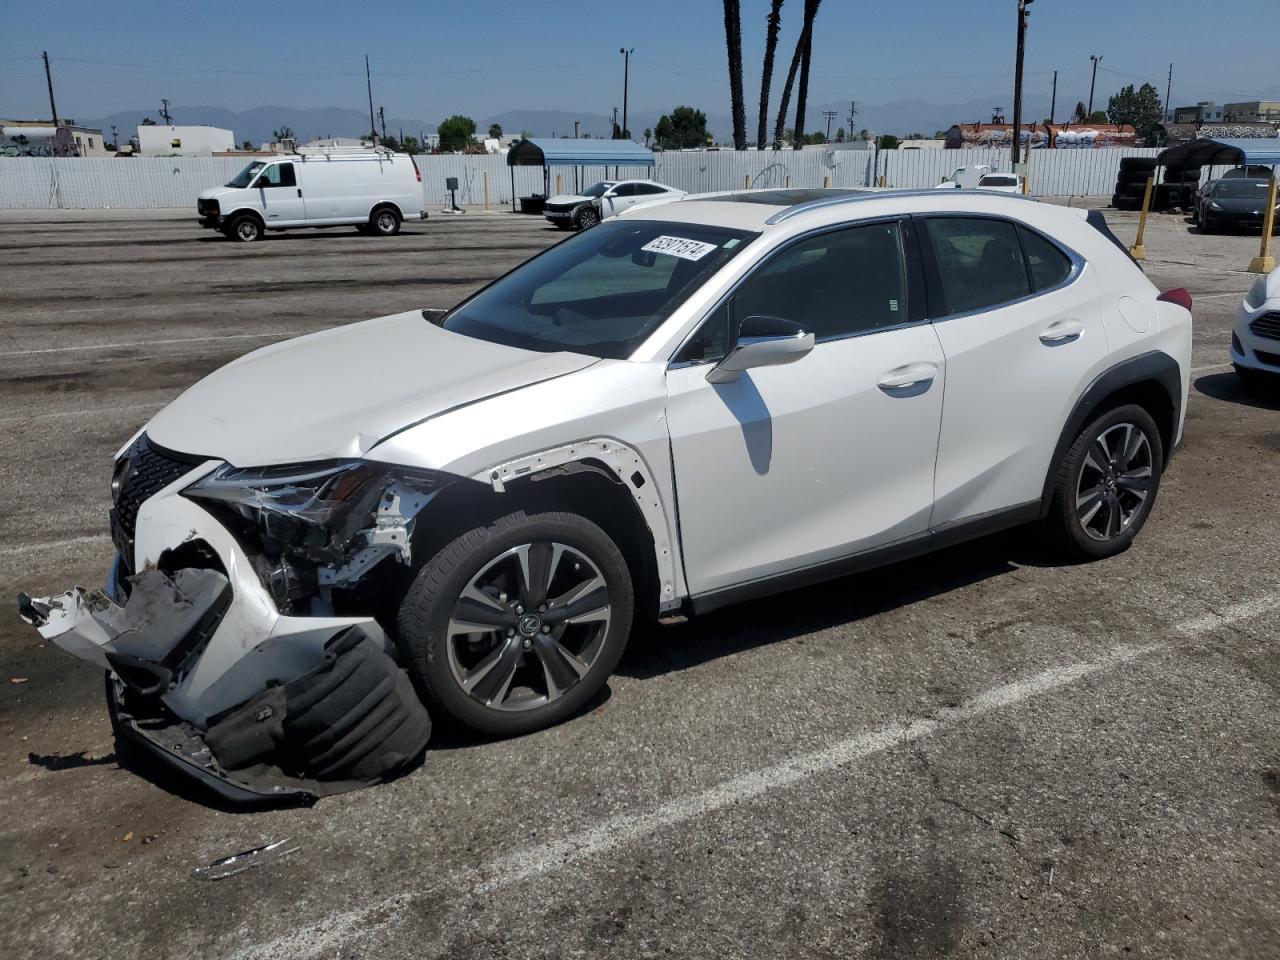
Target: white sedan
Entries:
(1255, 341)
(577, 211)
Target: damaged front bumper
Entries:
(207, 674)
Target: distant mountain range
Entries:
(256, 125)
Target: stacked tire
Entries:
(1177, 187)
(1131, 182)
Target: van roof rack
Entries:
(344, 150)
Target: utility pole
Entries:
(164, 111)
(1096, 60)
(115, 138)
(382, 118)
(575, 129)
(626, 74)
(1053, 100)
(1017, 81)
(853, 112)
(368, 81)
(1168, 92)
(48, 77)
(830, 115)
(615, 121)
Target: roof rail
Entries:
(872, 193)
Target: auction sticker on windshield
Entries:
(679, 247)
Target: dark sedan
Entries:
(1233, 204)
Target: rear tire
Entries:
(496, 648)
(1106, 484)
(384, 222)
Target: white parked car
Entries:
(964, 177)
(1255, 339)
(1001, 182)
(375, 191)
(577, 211)
(692, 404)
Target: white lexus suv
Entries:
(696, 402)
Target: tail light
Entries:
(1178, 295)
(416, 172)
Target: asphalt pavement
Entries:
(983, 753)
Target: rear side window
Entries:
(646, 188)
(979, 261)
(1049, 266)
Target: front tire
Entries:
(516, 624)
(587, 218)
(1107, 484)
(245, 229)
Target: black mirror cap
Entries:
(762, 326)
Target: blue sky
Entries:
(483, 57)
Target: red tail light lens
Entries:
(416, 171)
(1178, 295)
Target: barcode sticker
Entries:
(679, 247)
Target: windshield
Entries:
(601, 292)
(245, 176)
(1242, 190)
(598, 190)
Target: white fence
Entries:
(97, 182)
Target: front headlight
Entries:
(1257, 294)
(309, 506)
(1214, 205)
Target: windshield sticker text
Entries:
(679, 247)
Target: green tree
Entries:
(1140, 108)
(495, 131)
(1098, 116)
(682, 127)
(841, 136)
(648, 135)
(247, 145)
(456, 133)
(889, 142)
(411, 146)
(284, 133)
(816, 137)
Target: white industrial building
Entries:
(40, 138)
(155, 140)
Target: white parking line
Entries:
(326, 937)
(274, 335)
(1211, 366)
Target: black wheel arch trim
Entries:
(1153, 366)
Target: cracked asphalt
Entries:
(983, 753)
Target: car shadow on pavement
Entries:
(1228, 387)
(655, 650)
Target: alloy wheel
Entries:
(529, 626)
(588, 218)
(1115, 481)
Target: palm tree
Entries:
(773, 25)
(733, 43)
(284, 133)
(647, 134)
(810, 11)
(802, 96)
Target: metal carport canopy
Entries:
(584, 152)
(1264, 151)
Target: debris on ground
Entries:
(240, 862)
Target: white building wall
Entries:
(183, 141)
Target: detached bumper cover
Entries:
(349, 720)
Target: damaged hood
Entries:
(337, 393)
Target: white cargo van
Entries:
(373, 190)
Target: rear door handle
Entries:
(904, 378)
(1060, 332)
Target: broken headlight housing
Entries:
(315, 507)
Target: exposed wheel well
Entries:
(235, 215)
(584, 487)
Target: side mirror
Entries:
(762, 342)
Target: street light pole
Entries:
(1017, 81)
(1096, 60)
(626, 74)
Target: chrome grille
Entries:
(150, 470)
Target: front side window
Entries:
(601, 292)
(835, 284)
(626, 190)
(597, 190)
(979, 262)
(277, 175)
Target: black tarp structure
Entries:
(1225, 152)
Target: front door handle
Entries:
(299, 191)
(1060, 332)
(900, 379)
